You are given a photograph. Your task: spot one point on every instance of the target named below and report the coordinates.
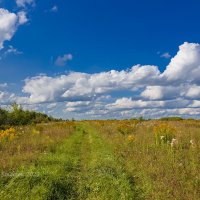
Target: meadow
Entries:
(103, 160)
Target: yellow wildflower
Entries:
(131, 138)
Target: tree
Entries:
(3, 117)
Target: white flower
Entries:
(192, 143)
(174, 142)
(162, 137)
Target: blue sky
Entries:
(51, 39)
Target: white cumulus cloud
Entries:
(9, 23)
(82, 86)
(185, 66)
(140, 90)
(161, 92)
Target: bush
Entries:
(17, 117)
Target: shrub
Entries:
(16, 116)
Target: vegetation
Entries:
(171, 119)
(127, 159)
(17, 116)
(163, 170)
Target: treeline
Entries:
(171, 118)
(16, 116)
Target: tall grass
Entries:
(32, 142)
(163, 171)
(51, 176)
(129, 159)
(103, 176)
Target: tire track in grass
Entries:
(84, 167)
(103, 177)
(55, 175)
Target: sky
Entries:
(101, 59)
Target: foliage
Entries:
(171, 119)
(16, 116)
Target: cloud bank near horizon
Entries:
(176, 91)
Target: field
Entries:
(101, 160)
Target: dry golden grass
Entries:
(164, 170)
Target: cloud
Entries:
(3, 85)
(185, 66)
(128, 103)
(195, 104)
(193, 92)
(9, 23)
(6, 97)
(140, 90)
(166, 55)
(10, 51)
(54, 8)
(51, 105)
(24, 3)
(22, 17)
(81, 86)
(79, 106)
(161, 92)
(62, 60)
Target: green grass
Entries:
(97, 160)
(53, 176)
(103, 176)
(83, 167)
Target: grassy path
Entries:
(103, 177)
(83, 167)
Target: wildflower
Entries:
(192, 143)
(8, 134)
(131, 138)
(35, 132)
(12, 137)
(162, 137)
(180, 164)
(164, 134)
(174, 142)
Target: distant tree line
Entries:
(171, 118)
(16, 116)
